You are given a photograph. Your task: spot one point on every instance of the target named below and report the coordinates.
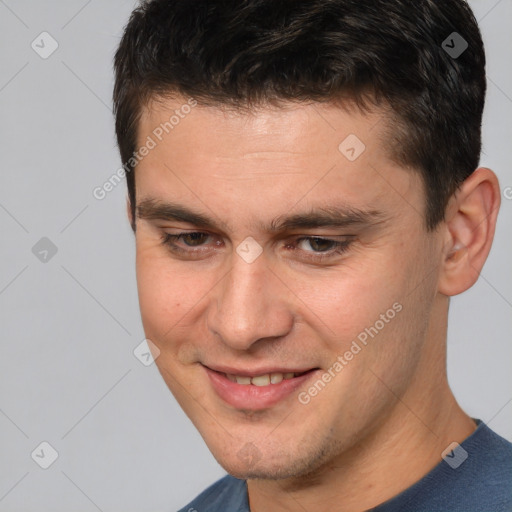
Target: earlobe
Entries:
(470, 225)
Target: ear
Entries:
(129, 213)
(470, 223)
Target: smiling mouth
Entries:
(265, 379)
(257, 390)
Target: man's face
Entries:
(302, 293)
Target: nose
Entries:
(251, 304)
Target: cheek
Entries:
(163, 293)
(409, 289)
(351, 299)
(172, 296)
(372, 311)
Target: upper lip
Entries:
(263, 370)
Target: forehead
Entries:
(289, 126)
(315, 154)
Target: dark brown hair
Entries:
(244, 53)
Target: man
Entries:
(305, 197)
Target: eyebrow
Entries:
(319, 217)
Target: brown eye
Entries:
(317, 244)
(194, 239)
(180, 241)
(321, 250)
(321, 244)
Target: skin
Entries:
(350, 447)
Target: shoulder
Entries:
(474, 476)
(489, 471)
(482, 480)
(228, 494)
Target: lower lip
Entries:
(249, 396)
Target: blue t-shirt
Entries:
(474, 478)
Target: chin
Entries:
(252, 463)
(260, 472)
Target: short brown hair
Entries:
(248, 52)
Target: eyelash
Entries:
(339, 247)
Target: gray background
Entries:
(69, 325)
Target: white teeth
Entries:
(261, 380)
(243, 380)
(276, 378)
